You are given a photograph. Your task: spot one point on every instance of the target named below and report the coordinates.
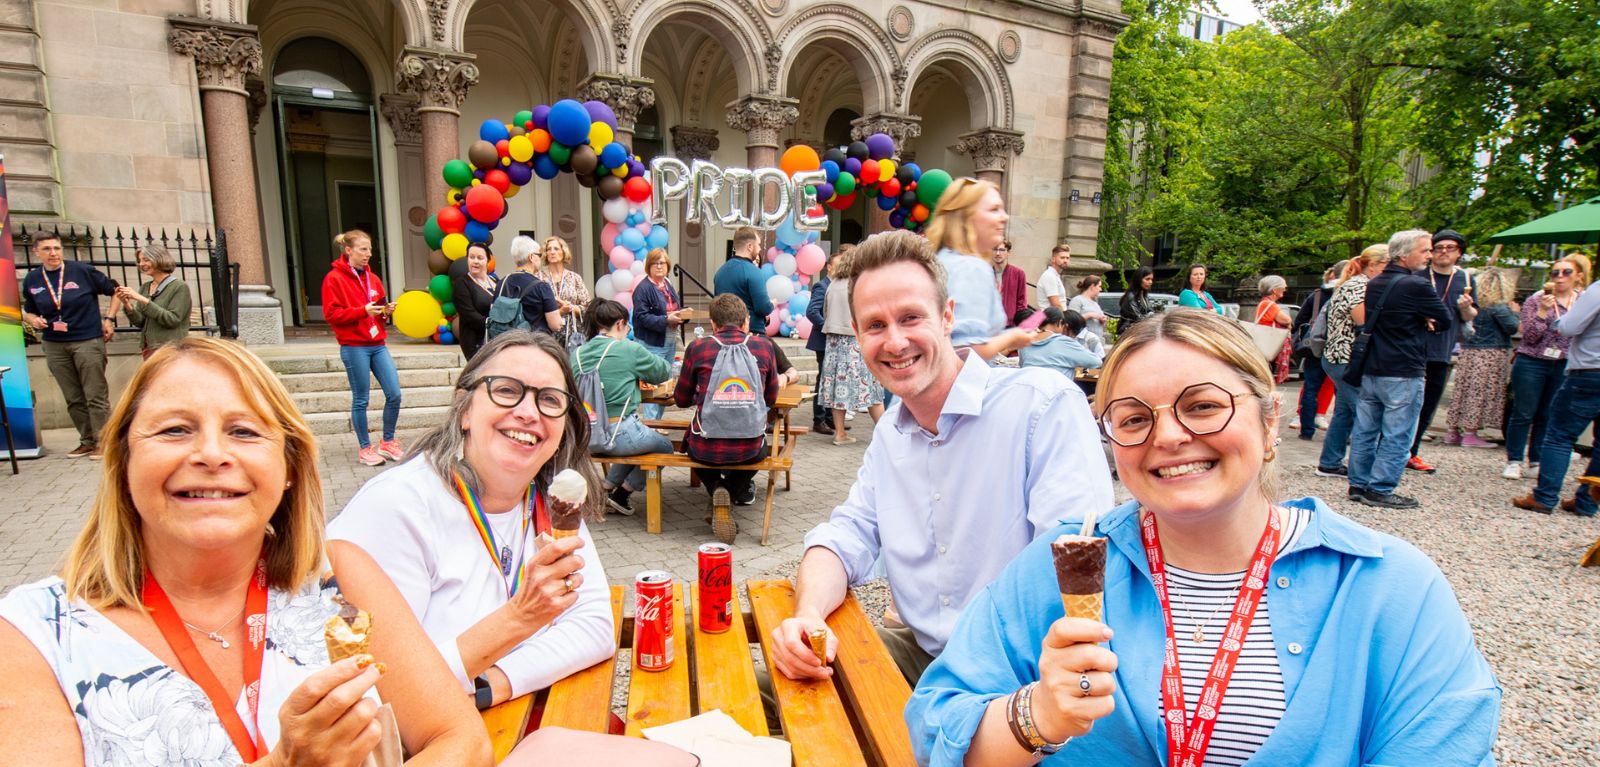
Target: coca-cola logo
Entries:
(718, 577)
(649, 608)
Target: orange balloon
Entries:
(919, 214)
(491, 263)
(798, 158)
(541, 139)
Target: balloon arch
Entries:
(580, 138)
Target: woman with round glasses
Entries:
(1238, 626)
(455, 526)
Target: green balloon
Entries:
(844, 185)
(931, 186)
(448, 308)
(439, 287)
(560, 153)
(458, 173)
(523, 118)
(432, 234)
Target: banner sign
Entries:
(14, 384)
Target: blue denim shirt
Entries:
(979, 314)
(1379, 665)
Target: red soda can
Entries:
(715, 605)
(652, 620)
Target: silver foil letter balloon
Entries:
(770, 219)
(739, 198)
(804, 191)
(704, 186)
(669, 180)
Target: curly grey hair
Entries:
(1272, 282)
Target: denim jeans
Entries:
(1311, 378)
(633, 438)
(1345, 400)
(1577, 404)
(1386, 420)
(666, 351)
(1533, 385)
(1432, 391)
(361, 364)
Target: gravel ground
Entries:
(1535, 614)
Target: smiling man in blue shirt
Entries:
(965, 471)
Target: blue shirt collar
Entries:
(965, 397)
(1326, 528)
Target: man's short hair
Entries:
(743, 235)
(728, 310)
(889, 248)
(40, 238)
(1073, 321)
(1062, 248)
(1402, 243)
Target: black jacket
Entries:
(1399, 339)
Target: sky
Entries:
(1239, 11)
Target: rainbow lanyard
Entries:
(480, 520)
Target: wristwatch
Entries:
(482, 695)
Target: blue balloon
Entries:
(658, 237)
(614, 155)
(810, 236)
(916, 170)
(789, 236)
(885, 202)
(832, 169)
(785, 329)
(797, 303)
(493, 131)
(825, 192)
(545, 168)
(631, 239)
(569, 122)
(768, 271)
(476, 231)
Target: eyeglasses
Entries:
(1201, 409)
(508, 392)
(1563, 272)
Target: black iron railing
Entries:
(202, 265)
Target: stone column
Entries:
(405, 122)
(627, 97)
(763, 120)
(224, 56)
(991, 150)
(438, 80)
(690, 143)
(1088, 90)
(901, 128)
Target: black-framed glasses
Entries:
(1201, 409)
(508, 392)
(1563, 272)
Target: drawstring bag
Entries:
(734, 406)
(602, 432)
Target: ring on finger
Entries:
(1084, 685)
(567, 581)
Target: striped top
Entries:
(1254, 701)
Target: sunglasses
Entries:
(1563, 272)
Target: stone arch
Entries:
(975, 64)
(855, 37)
(826, 89)
(585, 18)
(413, 18)
(734, 23)
(291, 21)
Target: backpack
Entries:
(602, 432)
(505, 313)
(1305, 341)
(734, 406)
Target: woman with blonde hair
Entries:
(160, 307)
(1231, 605)
(571, 293)
(1484, 367)
(1346, 314)
(188, 622)
(1539, 365)
(969, 220)
(354, 305)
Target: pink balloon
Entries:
(637, 278)
(626, 299)
(803, 327)
(772, 253)
(772, 324)
(810, 258)
(621, 257)
(608, 237)
(643, 228)
(805, 279)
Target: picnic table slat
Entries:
(582, 701)
(660, 697)
(814, 718)
(506, 722)
(873, 686)
(721, 681)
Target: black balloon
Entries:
(904, 175)
(610, 187)
(908, 200)
(836, 155)
(858, 150)
(483, 155)
(584, 160)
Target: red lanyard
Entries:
(366, 282)
(57, 289)
(666, 295)
(195, 667)
(1188, 738)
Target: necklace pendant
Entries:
(1199, 635)
(505, 560)
(215, 637)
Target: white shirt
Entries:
(1050, 285)
(1017, 449)
(419, 532)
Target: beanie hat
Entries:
(1450, 234)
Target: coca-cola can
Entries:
(715, 604)
(652, 620)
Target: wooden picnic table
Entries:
(856, 718)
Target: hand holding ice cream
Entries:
(567, 493)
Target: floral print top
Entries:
(1540, 340)
(133, 709)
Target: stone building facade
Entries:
(282, 122)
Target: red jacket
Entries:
(344, 299)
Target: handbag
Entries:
(1363, 340)
(1269, 339)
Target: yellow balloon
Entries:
(511, 191)
(520, 148)
(600, 134)
(454, 197)
(885, 169)
(417, 314)
(454, 246)
(621, 171)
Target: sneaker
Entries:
(1322, 422)
(1512, 471)
(1453, 439)
(723, 525)
(1332, 471)
(1294, 425)
(617, 501)
(1389, 500)
(1473, 440)
(1530, 503)
(1533, 470)
(82, 450)
(1356, 493)
(1307, 437)
(1417, 464)
(390, 449)
(97, 453)
(849, 415)
(369, 456)
(748, 498)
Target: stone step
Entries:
(315, 402)
(337, 382)
(410, 418)
(444, 359)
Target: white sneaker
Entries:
(849, 415)
(1513, 471)
(1533, 471)
(1322, 422)
(1294, 425)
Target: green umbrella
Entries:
(1579, 223)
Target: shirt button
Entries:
(1283, 581)
(942, 548)
(946, 602)
(937, 496)
(1295, 648)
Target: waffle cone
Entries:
(558, 533)
(1082, 605)
(818, 640)
(342, 641)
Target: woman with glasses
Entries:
(622, 365)
(1296, 636)
(455, 526)
(1539, 365)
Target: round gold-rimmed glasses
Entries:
(1201, 409)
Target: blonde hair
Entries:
(566, 251)
(1580, 262)
(657, 254)
(105, 566)
(1495, 286)
(1222, 339)
(1369, 256)
(951, 226)
(346, 240)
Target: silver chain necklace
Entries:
(1199, 635)
(214, 635)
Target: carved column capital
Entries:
(224, 54)
(692, 143)
(438, 79)
(901, 128)
(627, 96)
(763, 118)
(991, 149)
(400, 109)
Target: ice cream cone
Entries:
(559, 533)
(818, 639)
(348, 632)
(1082, 605)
